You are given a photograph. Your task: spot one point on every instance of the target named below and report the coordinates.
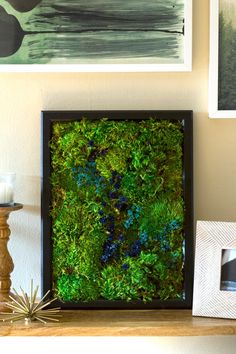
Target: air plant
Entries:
(27, 308)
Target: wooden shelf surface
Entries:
(124, 323)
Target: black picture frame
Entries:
(186, 117)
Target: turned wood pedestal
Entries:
(6, 263)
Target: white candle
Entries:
(6, 193)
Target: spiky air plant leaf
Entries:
(25, 307)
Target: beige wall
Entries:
(24, 95)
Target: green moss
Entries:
(117, 210)
(132, 282)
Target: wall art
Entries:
(117, 208)
(214, 274)
(94, 35)
(222, 71)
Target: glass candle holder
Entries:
(7, 184)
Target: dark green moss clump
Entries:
(117, 210)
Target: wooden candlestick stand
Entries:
(6, 263)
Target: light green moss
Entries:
(117, 210)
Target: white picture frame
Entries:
(144, 65)
(209, 298)
(214, 67)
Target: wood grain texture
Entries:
(124, 323)
(6, 263)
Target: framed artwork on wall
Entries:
(215, 270)
(105, 35)
(222, 70)
(117, 218)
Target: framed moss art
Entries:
(117, 218)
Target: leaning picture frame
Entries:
(117, 208)
(38, 35)
(221, 101)
(214, 274)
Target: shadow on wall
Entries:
(32, 209)
(28, 192)
(24, 246)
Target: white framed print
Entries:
(222, 68)
(95, 36)
(214, 293)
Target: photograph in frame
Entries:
(228, 270)
(117, 208)
(222, 71)
(214, 292)
(100, 35)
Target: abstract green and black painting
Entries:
(95, 31)
(227, 55)
(117, 209)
